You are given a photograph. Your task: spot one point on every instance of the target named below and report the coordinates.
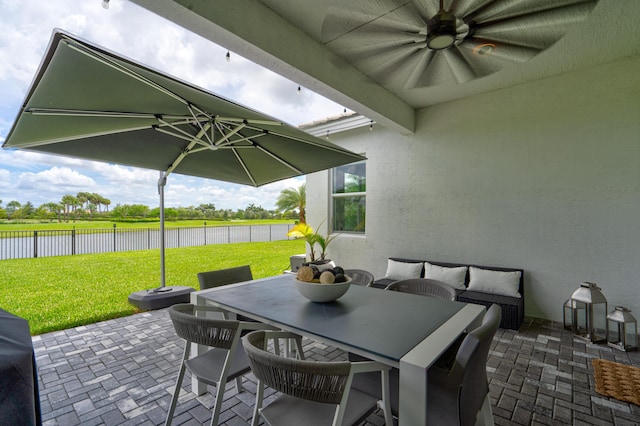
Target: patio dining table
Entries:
(397, 329)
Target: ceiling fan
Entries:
(418, 43)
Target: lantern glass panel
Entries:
(567, 315)
(631, 336)
(623, 330)
(599, 322)
(580, 325)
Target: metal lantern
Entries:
(589, 313)
(570, 315)
(622, 331)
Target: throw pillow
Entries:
(403, 270)
(498, 282)
(455, 277)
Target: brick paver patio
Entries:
(123, 371)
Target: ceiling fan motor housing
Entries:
(441, 31)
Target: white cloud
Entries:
(62, 177)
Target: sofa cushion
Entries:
(402, 270)
(455, 277)
(497, 282)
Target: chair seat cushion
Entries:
(470, 296)
(289, 410)
(512, 307)
(208, 366)
(382, 283)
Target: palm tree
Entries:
(69, 202)
(291, 199)
(12, 208)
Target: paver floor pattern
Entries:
(122, 372)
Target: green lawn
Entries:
(87, 224)
(55, 293)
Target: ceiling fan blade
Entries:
(556, 17)
(424, 59)
(436, 72)
(371, 40)
(398, 63)
(537, 30)
(460, 67)
(341, 21)
(538, 40)
(559, 11)
(414, 12)
(502, 52)
(470, 8)
(381, 52)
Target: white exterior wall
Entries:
(543, 176)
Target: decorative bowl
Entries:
(321, 293)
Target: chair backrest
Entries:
(471, 362)
(424, 287)
(360, 277)
(217, 333)
(222, 277)
(310, 380)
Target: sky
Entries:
(135, 33)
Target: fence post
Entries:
(205, 233)
(250, 233)
(73, 241)
(35, 244)
(114, 237)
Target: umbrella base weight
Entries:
(163, 297)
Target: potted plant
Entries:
(302, 230)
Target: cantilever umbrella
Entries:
(90, 103)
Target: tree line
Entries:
(92, 206)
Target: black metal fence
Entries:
(30, 244)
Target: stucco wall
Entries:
(543, 176)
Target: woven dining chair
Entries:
(220, 277)
(424, 287)
(225, 361)
(312, 393)
(459, 392)
(360, 277)
(238, 274)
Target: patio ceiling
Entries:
(323, 45)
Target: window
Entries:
(349, 186)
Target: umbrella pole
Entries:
(161, 184)
(161, 297)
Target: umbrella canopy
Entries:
(87, 102)
(90, 103)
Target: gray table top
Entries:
(386, 324)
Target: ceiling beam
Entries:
(250, 29)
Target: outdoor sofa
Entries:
(503, 286)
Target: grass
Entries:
(87, 224)
(56, 293)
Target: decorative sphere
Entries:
(327, 278)
(305, 274)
